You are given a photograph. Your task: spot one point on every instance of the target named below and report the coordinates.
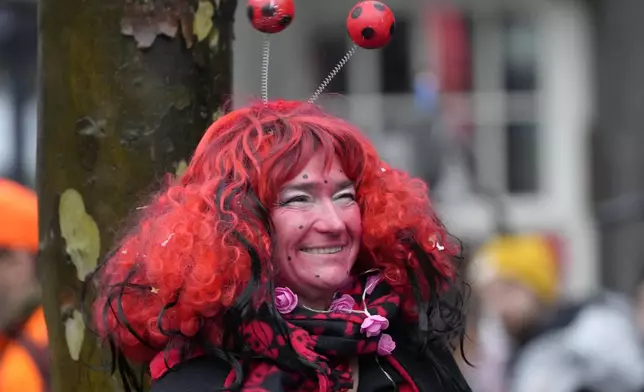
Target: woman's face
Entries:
(317, 231)
(517, 305)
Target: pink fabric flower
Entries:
(386, 345)
(372, 282)
(373, 325)
(285, 300)
(343, 304)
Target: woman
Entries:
(289, 257)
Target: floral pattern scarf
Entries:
(356, 324)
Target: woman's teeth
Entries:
(323, 251)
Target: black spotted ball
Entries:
(270, 16)
(371, 24)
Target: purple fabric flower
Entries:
(343, 304)
(386, 345)
(373, 325)
(285, 300)
(372, 282)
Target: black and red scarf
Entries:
(328, 340)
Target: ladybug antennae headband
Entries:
(370, 25)
(325, 83)
(266, 56)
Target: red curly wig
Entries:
(191, 252)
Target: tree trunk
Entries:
(128, 88)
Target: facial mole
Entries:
(317, 276)
(305, 176)
(326, 182)
(289, 257)
(301, 227)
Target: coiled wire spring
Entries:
(333, 73)
(266, 56)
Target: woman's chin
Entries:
(325, 281)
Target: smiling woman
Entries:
(289, 257)
(317, 231)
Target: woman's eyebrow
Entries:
(311, 186)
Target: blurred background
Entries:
(524, 116)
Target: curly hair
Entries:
(197, 261)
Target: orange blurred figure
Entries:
(24, 359)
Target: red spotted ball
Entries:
(371, 24)
(270, 16)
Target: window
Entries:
(520, 83)
(7, 134)
(467, 54)
(329, 48)
(504, 93)
(395, 58)
(520, 54)
(18, 54)
(521, 166)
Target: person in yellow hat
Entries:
(518, 278)
(529, 339)
(24, 360)
(515, 280)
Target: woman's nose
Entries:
(329, 220)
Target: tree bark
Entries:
(127, 91)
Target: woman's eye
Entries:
(297, 199)
(347, 196)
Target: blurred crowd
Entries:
(524, 337)
(24, 359)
